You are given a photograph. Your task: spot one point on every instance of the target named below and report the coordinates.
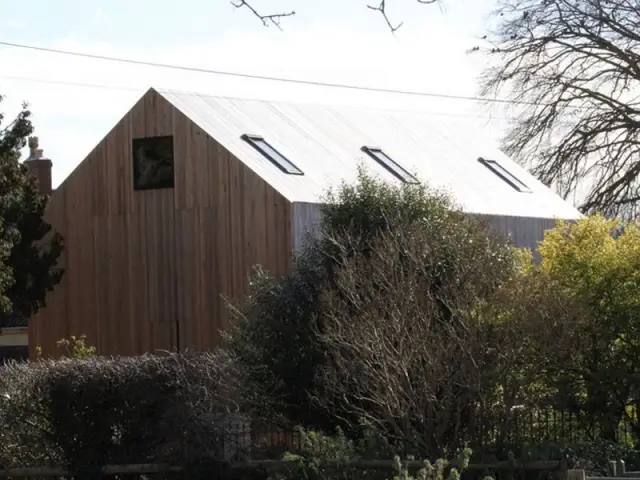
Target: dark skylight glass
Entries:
(505, 175)
(278, 159)
(387, 162)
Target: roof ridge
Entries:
(332, 105)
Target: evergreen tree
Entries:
(29, 248)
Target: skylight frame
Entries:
(506, 175)
(390, 164)
(272, 154)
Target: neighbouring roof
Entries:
(325, 143)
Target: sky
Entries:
(76, 101)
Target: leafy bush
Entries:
(77, 347)
(582, 306)
(323, 457)
(73, 347)
(97, 411)
(400, 257)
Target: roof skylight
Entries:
(505, 175)
(278, 159)
(391, 165)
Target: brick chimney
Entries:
(39, 166)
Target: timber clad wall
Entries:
(524, 232)
(145, 270)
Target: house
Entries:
(167, 216)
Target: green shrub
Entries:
(592, 456)
(98, 410)
(403, 262)
(594, 265)
(72, 347)
(323, 457)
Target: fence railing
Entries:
(523, 427)
(544, 425)
(616, 471)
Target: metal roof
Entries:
(325, 142)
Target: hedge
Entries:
(99, 410)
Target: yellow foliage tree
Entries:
(590, 275)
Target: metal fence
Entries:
(523, 427)
(550, 426)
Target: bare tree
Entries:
(408, 349)
(276, 18)
(574, 68)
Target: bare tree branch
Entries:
(577, 63)
(407, 348)
(382, 8)
(275, 18)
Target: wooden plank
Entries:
(576, 475)
(160, 225)
(604, 478)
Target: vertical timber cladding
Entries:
(149, 270)
(523, 232)
(119, 249)
(227, 221)
(42, 332)
(134, 246)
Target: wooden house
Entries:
(169, 213)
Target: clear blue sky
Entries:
(329, 40)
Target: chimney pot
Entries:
(39, 166)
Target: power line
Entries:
(264, 77)
(71, 84)
(141, 89)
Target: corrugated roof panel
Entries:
(325, 143)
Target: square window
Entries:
(153, 162)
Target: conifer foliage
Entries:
(29, 248)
